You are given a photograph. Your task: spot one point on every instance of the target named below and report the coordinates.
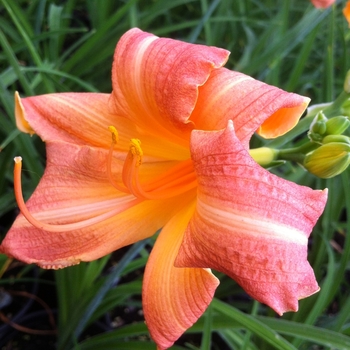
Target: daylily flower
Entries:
(323, 3)
(346, 12)
(187, 170)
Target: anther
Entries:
(115, 136)
(136, 150)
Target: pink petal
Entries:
(251, 104)
(81, 118)
(155, 81)
(84, 118)
(250, 224)
(75, 188)
(174, 298)
(322, 3)
(21, 121)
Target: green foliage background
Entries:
(55, 46)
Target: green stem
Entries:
(334, 109)
(297, 154)
(265, 155)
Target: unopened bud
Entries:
(318, 127)
(345, 108)
(347, 82)
(336, 138)
(337, 125)
(329, 160)
(264, 155)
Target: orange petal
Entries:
(251, 104)
(174, 298)
(249, 223)
(346, 12)
(73, 188)
(322, 3)
(155, 81)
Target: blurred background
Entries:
(58, 46)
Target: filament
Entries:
(175, 181)
(63, 227)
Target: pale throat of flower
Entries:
(176, 181)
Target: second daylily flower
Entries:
(323, 3)
(169, 148)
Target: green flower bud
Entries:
(328, 160)
(336, 138)
(264, 156)
(345, 108)
(318, 127)
(347, 82)
(337, 125)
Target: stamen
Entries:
(64, 227)
(115, 138)
(136, 150)
(133, 160)
(177, 180)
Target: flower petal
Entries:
(81, 118)
(21, 121)
(250, 224)
(84, 118)
(174, 298)
(74, 187)
(155, 81)
(251, 104)
(346, 12)
(322, 3)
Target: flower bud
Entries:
(345, 108)
(329, 160)
(347, 82)
(336, 138)
(337, 125)
(318, 127)
(264, 156)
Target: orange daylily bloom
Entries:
(323, 3)
(346, 12)
(187, 170)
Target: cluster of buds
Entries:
(326, 153)
(332, 156)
